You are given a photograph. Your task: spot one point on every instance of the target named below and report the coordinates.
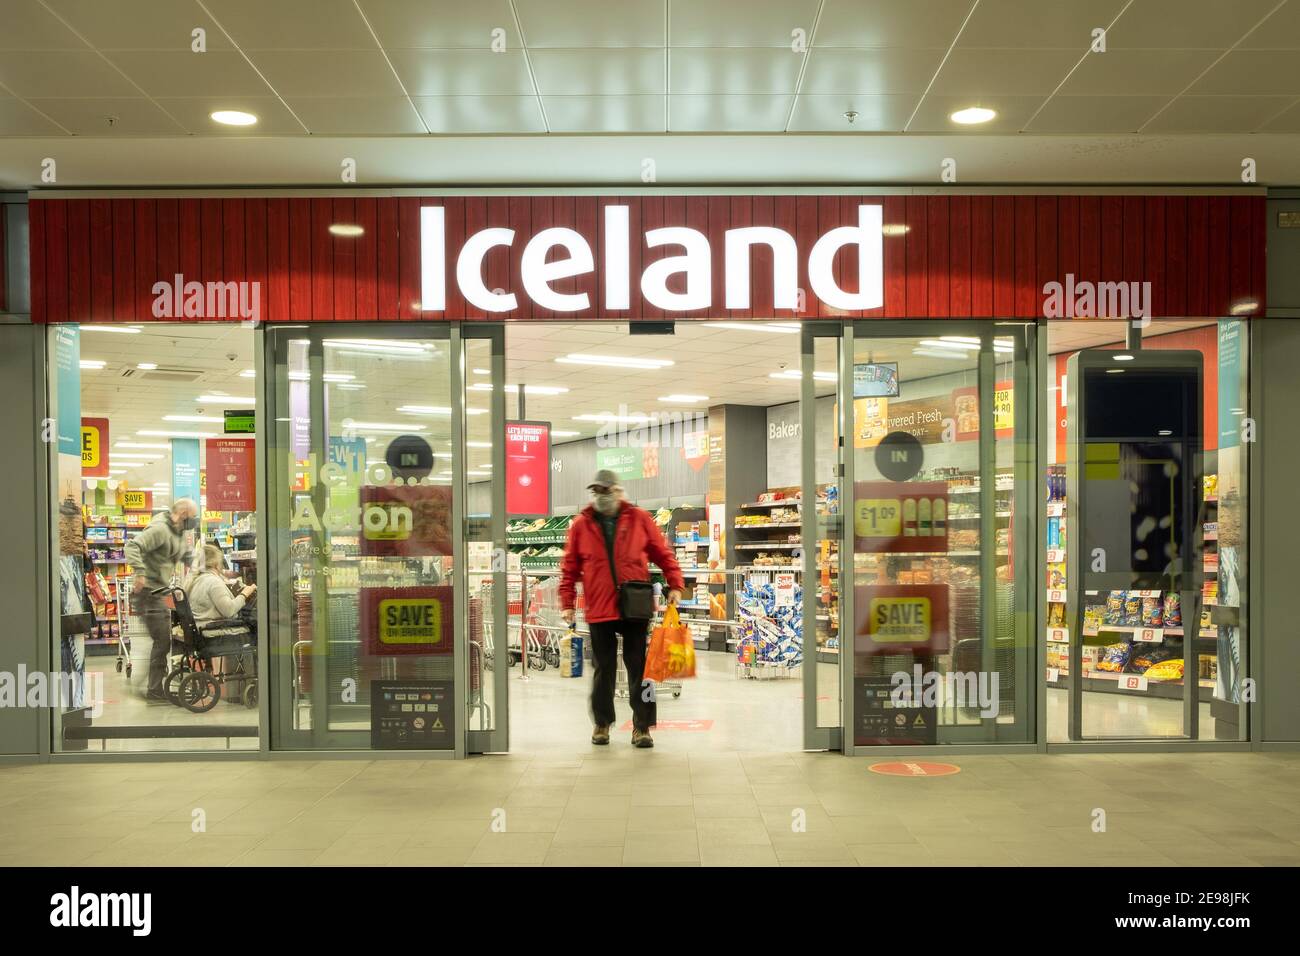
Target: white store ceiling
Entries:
(1184, 90)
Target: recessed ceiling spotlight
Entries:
(346, 229)
(973, 115)
(233, 118)
(147, 366)
(850, 115)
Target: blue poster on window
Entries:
(185, 469)
(1231, 401)
(67, 381)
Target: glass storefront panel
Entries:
(940, 490)
(363, 610)
(1136, 644)
(154, 538)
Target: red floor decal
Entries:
(908, 768)
(687, 725)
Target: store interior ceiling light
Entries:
(396, 427)
(1114, 371)
(248, 373)
(615, 361)
(164, 433)
(786, 328)
(973, 115)
(436, 410)
(353, 386)
(528, 389)
(226, 399)
(233, 117)
(560, 434)
(378, 345)
(609, 417)
(478, 444)
(119, 329)
(196, 419)
(684, 399)
(142, 456)
(1122, 358)
(795, 375)
(481, 371)
(141, 444)
(93, 365)
(942, 353)
(346, 229)
(147, 366)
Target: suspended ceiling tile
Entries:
(26, 25)
(481, 114)
(419, 25)
(876, 114)
(1186, 24)
(328, 73)
(19, 119)
(577, 24)
(170, 73)
(756, 23)
(1013, 112)
(139, 24)
(735, 113)
(62, 73)
(1253, 72)
(618, 72)
(972, 72)
(1019, 24)
(462, 72)
(901, 23)
(1281, 31)
(358, 116)
(1096, 114)
(1217, 114)
(293, 24)
(194, 113)
(1125, 72)
(617, 114)
(722, 71)
(90, 117)
(1287, 121)
(886, 70)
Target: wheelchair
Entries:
(192, 682)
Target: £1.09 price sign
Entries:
(528, 469)
(900, 516)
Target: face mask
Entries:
(189, 524)
(606, 504)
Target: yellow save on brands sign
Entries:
(900, 620)
(410, 620)
(136, 500)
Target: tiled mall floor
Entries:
(616, 805)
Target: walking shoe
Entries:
(600, 735)
(642, 738)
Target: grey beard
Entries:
(605, 504)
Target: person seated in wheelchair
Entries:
(211, 601)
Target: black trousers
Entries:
(604, 658)
(158, 621)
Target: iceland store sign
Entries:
(560, 253)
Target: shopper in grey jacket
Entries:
(153, 555)
(210, 597)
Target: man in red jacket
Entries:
(608, 545)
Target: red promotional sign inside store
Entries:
(889, 618)
(901, 517)
(232, 463)
(528, 469)
(101, 259)
(94, 448)
(406, 520)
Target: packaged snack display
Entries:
(1092, 618)
(1173, 610)
(1146, 659)
(1132, 610)
(1114, 657)
(1114, 608)
(1171, 669)
(1152, 612)
(1056, 615)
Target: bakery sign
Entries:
(680, 282)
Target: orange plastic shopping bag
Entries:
(671, 655)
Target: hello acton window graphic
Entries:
(537, 277)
